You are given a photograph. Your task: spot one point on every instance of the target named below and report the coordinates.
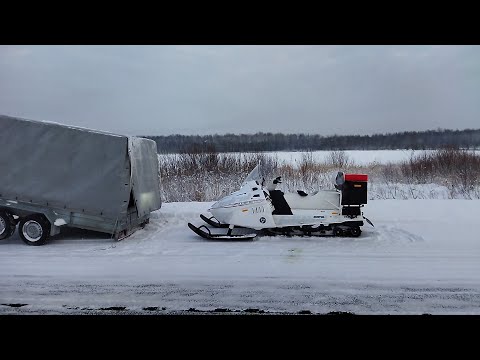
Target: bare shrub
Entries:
(306, 165)
(339, 159)
(205, 175)
(458, 170)
(391, 173)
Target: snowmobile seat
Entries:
(322, 200)
(279, 203)
(302, 193)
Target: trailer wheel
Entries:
(34, 229)
(7, 225)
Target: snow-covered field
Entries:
(423, 256)
(359, 157)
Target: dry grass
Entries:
(202, 174)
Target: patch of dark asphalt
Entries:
(221, 310)
(340, 313)
(114, 308)
(157, 310)
(15, 305)
(254, 311)
(304, 312)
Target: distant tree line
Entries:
(415, 140)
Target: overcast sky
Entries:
(160, 90)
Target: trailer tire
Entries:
(34, 229)
(7, 225)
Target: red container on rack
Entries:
(356, 177)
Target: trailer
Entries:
(54, 175)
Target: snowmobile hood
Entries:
(242, 197)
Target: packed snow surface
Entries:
(422, 256)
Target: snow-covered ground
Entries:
(423, 256)
(359, 157)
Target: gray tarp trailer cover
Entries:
(77, 177)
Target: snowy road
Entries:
(423, 256)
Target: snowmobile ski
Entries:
(214, 223)
(208, 235)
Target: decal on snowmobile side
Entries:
(258, 209)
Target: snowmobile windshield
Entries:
(255, 175)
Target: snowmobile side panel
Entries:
(245, 208)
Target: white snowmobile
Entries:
(258, 207)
